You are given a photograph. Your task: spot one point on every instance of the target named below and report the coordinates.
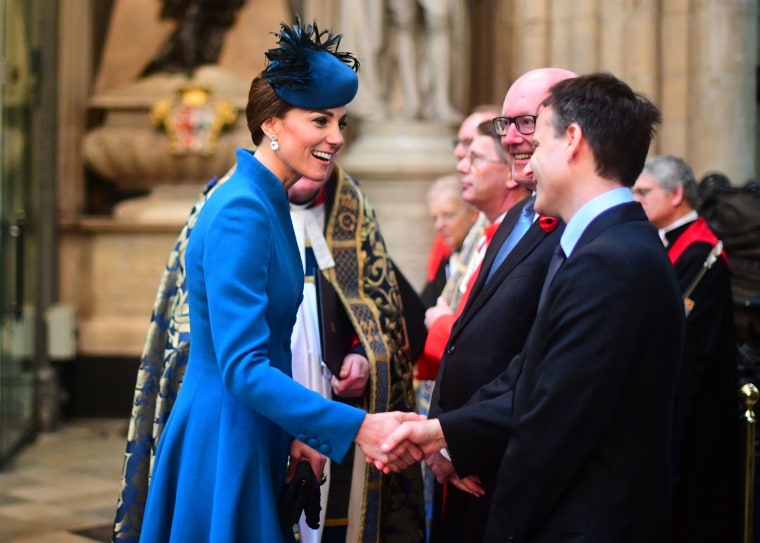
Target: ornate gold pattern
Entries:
(364, 277)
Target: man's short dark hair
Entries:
(618, 123)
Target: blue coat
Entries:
(221, 460)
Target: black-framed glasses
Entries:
(525, 124)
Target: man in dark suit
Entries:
(586, 408)
(707, 447)
(496, 319)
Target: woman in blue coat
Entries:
(224, 453)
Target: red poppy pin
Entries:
(547, 223)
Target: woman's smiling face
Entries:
(309, 140)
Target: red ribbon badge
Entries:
(547, 223)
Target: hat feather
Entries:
(288, 64)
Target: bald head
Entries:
(523, 98)
(530, 89)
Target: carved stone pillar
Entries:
(574, 35)
(722, 100)
(640, 49)
(74, 82)
(532, 20)
(494, 53)
(674, 60)
(612, 35)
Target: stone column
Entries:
(502, 52)
(722, 101)
(325, 12)
(574, 36)
(674, 59)
(532, 25)
(74, 82)
(585, 34)
(612, 35)
(561, 38)
(641, 52)
(640, 48)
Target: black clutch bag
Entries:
(336, 333)
(301, 495)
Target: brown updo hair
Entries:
(263, 103)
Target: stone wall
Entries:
(697, 59)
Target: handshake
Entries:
(394, 441)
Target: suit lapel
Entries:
(499, 236)
(524, 247)
(482, 291)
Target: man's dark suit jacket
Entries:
(490, 331)
(591, 396)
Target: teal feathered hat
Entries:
(308, 71)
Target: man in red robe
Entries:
(707, 448)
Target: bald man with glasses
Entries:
(497, 315)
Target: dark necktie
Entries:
(558, 258)
(518, 231)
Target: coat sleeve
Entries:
(486, 419)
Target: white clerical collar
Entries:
(691, 216)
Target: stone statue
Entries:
(199, 35)
(410, 38)
(423, 57)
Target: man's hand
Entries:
(353, 378)
(427, 435)
(444, 472)
(441, 468)
(413, 439)
(375, 428)
(470, 484)
(300, 451)
(440, 309)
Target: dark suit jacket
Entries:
(591, 398)
(490, 331)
